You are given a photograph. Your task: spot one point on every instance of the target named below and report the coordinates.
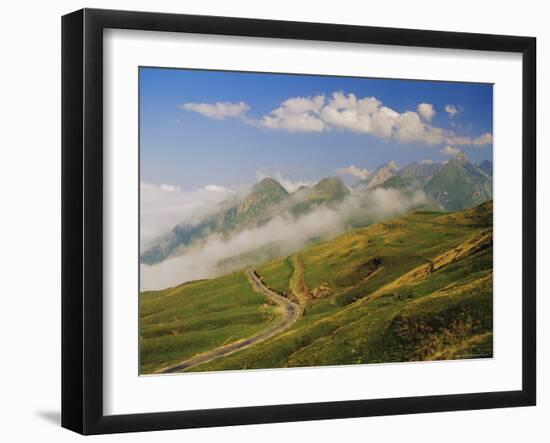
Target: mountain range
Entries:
(450, 186)
(267, 199)
(460, 184)
(379, 176)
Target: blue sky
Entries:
(200, 128)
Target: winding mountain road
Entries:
(291, 313)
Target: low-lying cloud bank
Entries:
(164, 206)
(284, 234)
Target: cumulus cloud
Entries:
(426, 111)
(449, 150)
(452, 110)
(354, 171)
(409, 127)
(347, 112)
(299, 114)
(367, 115)
(364, 115)
(219, 110)
(284, 233)
(163, 207)
(459, 140)
(485, 139)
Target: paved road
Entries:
(291, 313)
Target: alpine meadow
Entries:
(299, 220)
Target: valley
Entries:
(415, 287)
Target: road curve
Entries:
(291, 313)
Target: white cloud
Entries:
(426, 111)
(452, 110)
(219, 110)
(449, 150)
(458, 140)
(299, 114)
(485, 139)
(482, 140)
(169, 188)
(364, 115)
(409, 127)
(426, 162)
(347, 112)
(354, 171)
(163, 207)
(285, 232)
(367, 115)
(217, 188)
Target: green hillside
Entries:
(328, 191)
(421, 170)
(487, 167)
(414, 288)
(403, 183)
(417, 287)
(180, 322)
(459, 185)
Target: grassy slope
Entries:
(457, 188)
(414, 288)
(277, 274)
(178, 323)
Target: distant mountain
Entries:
(455, 185)
(328, 191)
(379, 176)
(267, 199)
(452, 186)
(420, 170)
(487, 167)
(258, 204)
(459, 185)
(402, 183)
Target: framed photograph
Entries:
(269, 221)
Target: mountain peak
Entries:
(332, 186)
(392, 166)
(329, 181)
(269, 185)
(423, 169)
(461, 157)
(459, 185)
(381, 174)
(487, 167)
(327, 191)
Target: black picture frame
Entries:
(82, 220)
